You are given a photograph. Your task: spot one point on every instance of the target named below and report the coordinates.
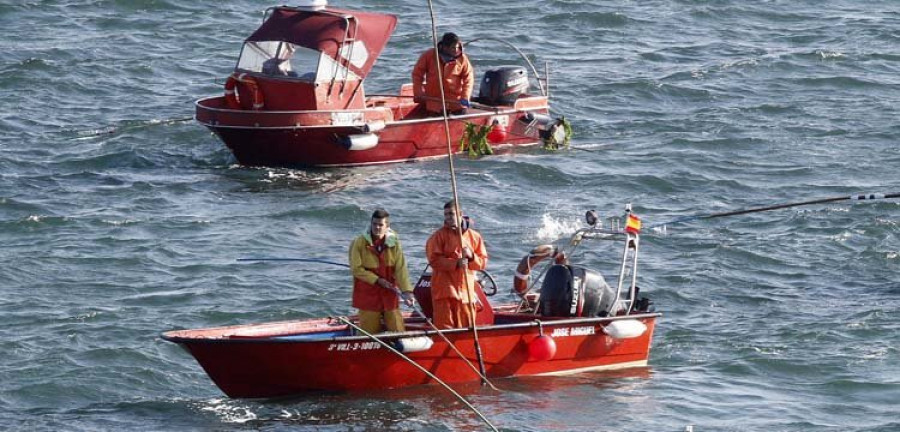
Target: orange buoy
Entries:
(497, 133)
(541, 348)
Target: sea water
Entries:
(121, 218)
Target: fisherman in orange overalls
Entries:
(456, 70)
(380, 276)
(453, 264)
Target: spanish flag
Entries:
(633, 224)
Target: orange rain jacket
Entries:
(443, 250)
(459, 81)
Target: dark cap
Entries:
(449, 39)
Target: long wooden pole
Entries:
(440, 77)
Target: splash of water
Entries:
(552, 228)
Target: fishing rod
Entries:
(312, 260)
(418, 366)
(859, 197)
(537, 76)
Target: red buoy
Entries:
(497, 133)
(542, 348)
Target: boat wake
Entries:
(229, 411)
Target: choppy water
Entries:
(119, 219)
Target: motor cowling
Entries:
(503, 85)
(570, 291)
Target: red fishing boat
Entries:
(576, 322)
(296, 98)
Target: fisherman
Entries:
(453, 264)
(380, 276)
(278, 67)
(280, 64)
(457, 72)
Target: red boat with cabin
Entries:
(576, 322)
(296, 98)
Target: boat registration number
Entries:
(346, 118)
(354, 346)
(573, 331)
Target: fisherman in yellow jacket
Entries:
(380, 276)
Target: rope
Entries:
(452, 345)
(418, 366)
(113, 130)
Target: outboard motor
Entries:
(570, 291)
(502, 86)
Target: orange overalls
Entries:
(451, 296)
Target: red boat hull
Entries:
(318, 138)
(278, 359)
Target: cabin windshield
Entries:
(285, 59)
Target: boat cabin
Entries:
(312, 58)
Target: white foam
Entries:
(552, 229)
(229, 411)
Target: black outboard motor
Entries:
(502, 86)
(575, 292)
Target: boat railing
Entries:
(627, 278)
(610, 230)
(542, 82)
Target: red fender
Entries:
(520, 282)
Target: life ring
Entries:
(232, 98)
(520, 282)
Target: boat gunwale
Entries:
(282, 338)
(392, 123)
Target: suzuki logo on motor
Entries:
(576, 282)
(517, 82)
